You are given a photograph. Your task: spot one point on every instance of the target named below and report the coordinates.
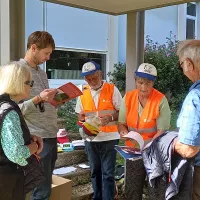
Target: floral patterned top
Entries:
(12, 139)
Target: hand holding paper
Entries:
(65, 93)
(48, 95)
(135, 148)
(91, 126)
(135, 138)
(105, 119)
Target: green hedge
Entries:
(67, 112)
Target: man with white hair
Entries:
(188, 144)
(102, 99)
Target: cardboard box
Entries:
(61, 189)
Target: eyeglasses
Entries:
(41, 106)
(180, 66)
(30, 83)
(92, 79)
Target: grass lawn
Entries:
(120, 160)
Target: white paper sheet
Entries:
(135, 136)
(84, 166)
(63, 170)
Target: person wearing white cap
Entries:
(101, 99)
(145, 109)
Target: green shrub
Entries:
(118, 76)
(67, 112)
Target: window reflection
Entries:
(65, 64)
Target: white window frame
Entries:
(192, 18)
(55, 83)
(182, 20)
(111, 51)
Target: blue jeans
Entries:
(102, 159)
(48, 158)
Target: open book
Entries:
(66, 93)
(130, 152)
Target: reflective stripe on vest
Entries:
(144, 130)
(105, 105)
(146, 124)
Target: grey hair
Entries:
(145, 79)
(190, 49)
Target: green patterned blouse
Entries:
(12, 139)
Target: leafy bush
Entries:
(118, 76)
(170, 81)
(67, 112)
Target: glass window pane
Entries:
(191, 9)
(68, 64)
(190, 29)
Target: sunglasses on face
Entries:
(41, 107)
(30, 83)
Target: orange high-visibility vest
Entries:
(146, 123)
(105, 105)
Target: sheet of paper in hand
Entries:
(130, 152)
(66, 93)
(136, 139)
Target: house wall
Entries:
(73, 29)
(70, 27)
(158, 24)
(78, 29)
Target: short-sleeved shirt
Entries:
(189, 119)
(163, 120)
(117, 98)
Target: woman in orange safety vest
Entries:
(144, 110)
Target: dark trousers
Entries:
(196, 184)
(11, 184)
(102, 159)
(48, 158)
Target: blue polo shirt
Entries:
(189, 119)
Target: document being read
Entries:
(130, 152)
(66, 93)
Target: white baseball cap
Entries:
(146, 70)
(90, 68)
